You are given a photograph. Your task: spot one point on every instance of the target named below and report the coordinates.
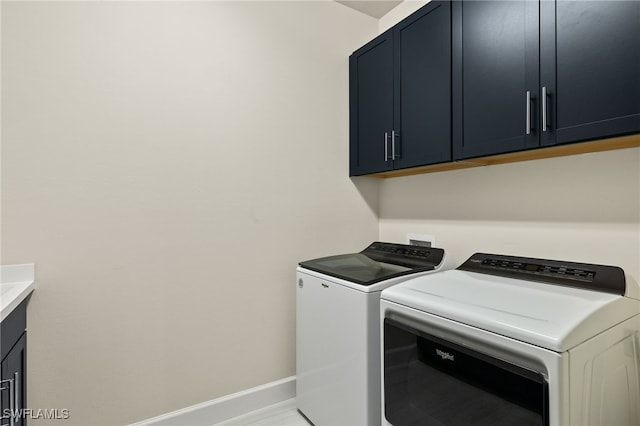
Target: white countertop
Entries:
(16, 283)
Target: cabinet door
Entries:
(422, 49)
(14, 368)
(495, 77)
(371, 106)
(597, 67)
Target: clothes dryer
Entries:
(506, 340)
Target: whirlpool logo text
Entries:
(445, 355)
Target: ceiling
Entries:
(374, 8)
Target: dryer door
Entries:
(428, 380)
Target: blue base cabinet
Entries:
(13, 367)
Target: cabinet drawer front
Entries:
(12, 328)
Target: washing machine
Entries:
(338, 331)
(505, 340)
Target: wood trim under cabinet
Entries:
(631, 141)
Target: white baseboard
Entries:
(227, 407)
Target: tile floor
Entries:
(281, 414)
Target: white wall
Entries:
(166, 165)
(583, 208)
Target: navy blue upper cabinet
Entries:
(495, 76)
(590, 69)
(400, 95)
(528, 74)
(371, 105)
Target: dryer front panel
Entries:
(433, 381)
(438, 371)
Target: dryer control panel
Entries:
(608, 279)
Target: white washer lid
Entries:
(550, 316)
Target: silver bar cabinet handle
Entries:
(544, 108)
(16, 398)
(393, 144)
(528, 130)
(12, 401)
(386, 147)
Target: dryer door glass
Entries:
(428, 380)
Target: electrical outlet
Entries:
(421, 240)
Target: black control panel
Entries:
(404, 255)
(608, 279)
(378, 262)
